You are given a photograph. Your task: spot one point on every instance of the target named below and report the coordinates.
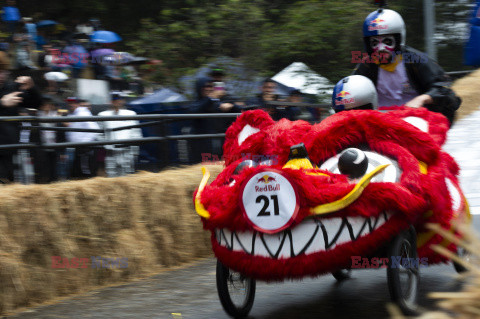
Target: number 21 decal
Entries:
(266, 203)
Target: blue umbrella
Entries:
(46, 23)
(105, 37)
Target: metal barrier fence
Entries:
(161, 117)
(62, 119)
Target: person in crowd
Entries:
(4, 44)
(30, 29)
(289, 112)
(41, 39)
(47, 160)
(85, 28)
(23, 159)
(220, 92)
(120, 159)
(403, 75)
(78, 57)
(81, 159)
(11, 15)
(267, 94)
(208, 101)
(217, 74)
(14, 97)
(23, 61)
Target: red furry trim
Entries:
(258, 119)
(438, 124)
(347, 129)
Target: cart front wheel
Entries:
(403, 272)
(236, 292)
(342, 274)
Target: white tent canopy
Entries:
(299, 76)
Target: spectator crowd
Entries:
(39, 59)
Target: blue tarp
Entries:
(164, 101)
(155, 102)
(472, 47)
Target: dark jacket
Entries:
(426, 77)
(276, 112)
(10, 131)
(205, 104)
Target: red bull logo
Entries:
(269, 186)
(343, 94)
(344, 99)
(375, 25)
(266, 179)
(377, 21)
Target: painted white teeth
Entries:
(303, 234)
(243, 240)
(272, 243)
(227, 238)
(341, 235)
(310, 236)
(357, 223)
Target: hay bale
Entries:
(148, 218)
(467, 88)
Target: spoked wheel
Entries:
(342, 274)
(403, 273)
(465, 255)
(236, 292)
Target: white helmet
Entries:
(354, 92)
(384, 21)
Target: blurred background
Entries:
(266, 35)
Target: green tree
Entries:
(187, 37)
(321, 34)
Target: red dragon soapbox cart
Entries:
(298, 200)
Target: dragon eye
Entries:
(391, 174)
(353, 162)
(243, 165)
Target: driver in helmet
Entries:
(403, 75)
(355, 92)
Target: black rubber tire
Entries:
(342, 274)
(404, 245)
(461, 252)
(224, 278)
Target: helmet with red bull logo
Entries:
(355, 92)
(384, 22)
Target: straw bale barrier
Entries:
(467, 88)
(147, 218)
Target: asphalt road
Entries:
(191, 292)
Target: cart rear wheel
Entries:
(236, 292)
(342, 274)
(403, 273)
